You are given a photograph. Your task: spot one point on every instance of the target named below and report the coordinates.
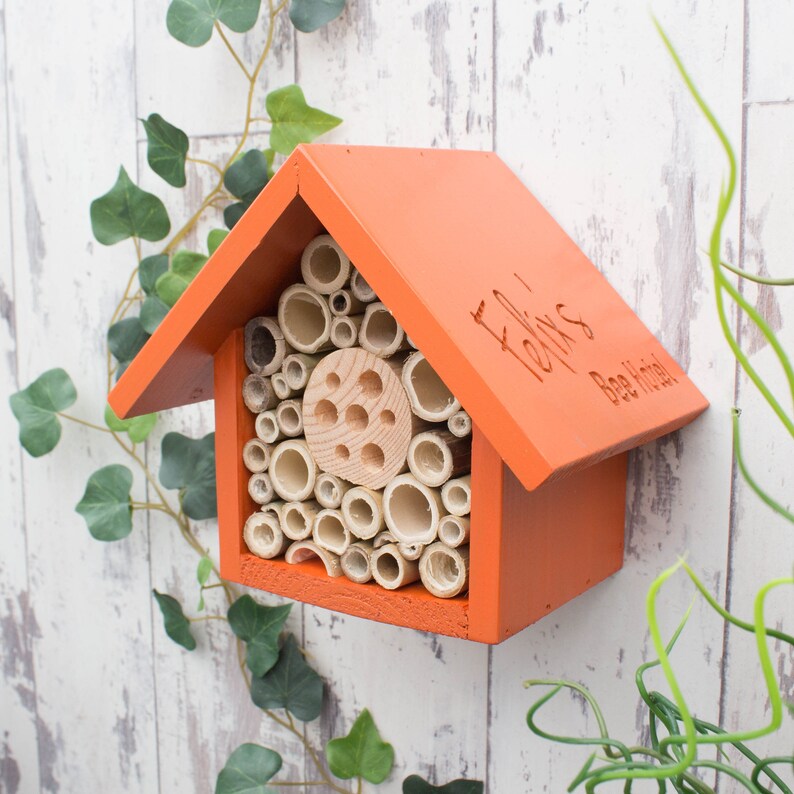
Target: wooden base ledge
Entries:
(309, 582)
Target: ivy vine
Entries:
(281, 681)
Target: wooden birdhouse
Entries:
(440, 392)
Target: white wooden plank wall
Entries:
(580, 99)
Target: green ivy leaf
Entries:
(293, 120)
(125, 339)
(150, 269)
(416, 785)
(153, 312)
(258, 626)
(214, 239)
(127, 211)
(177, 626)
(137, 428)
(248, 770)
(290, 684)
(191, 21)
(309, 15)
(185, 266)
(189, 465)
(203, 570)
(270, 157)
(361, 753)
(106, 505)
(166, 150)
(246, 176)
(35, 408)
(233, 213)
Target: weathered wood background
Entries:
(582, 101)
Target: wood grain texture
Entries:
(582, 102)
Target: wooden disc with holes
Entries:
(357, 419)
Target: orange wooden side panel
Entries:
(545, 546)
(411, 606)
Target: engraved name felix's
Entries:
(539, 341)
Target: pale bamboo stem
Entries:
(356, 562)
(256, 455)
(293, 470)
(345, 330)
(267, 428)
(429, 397)
(329, 531)
(342, 302)
(280, 386)
(260, 488)
(324, 265)
(302, 550)
(382, 538)
(297, 368)
(362, 509)
(258, 394)
(459, 424)
(445, 571)
(360, 288)
(263, 536)
(453, 531)
(329, 489)
(289, 417)
(265, 345)
(410, 551)
(437, 455)
(411, 510)
(297, 519)
(380, 333)
(305, 319)
(391, 570)
(456, 495)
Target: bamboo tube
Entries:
(296, 369)
(345, 330)
(256, 455)
(410, 551)
(260, 488)
(380, 333)
(437, 455)
(390, 570)
(302, 550)
(382, 538)
(274, 508)
(410, 342)
(280, 386)
(305, 319)
(258, 394)
(456, 496)
(429, 397)
(453, 531)
(297, 519)
(289, 417)
(293, 470)
(362, 509)
(342, 302)
(360, 288)
(411, 510)
(329, 489)
(445, 571)
(329, 531)
(263, 536)
(459, 424)
(356, 562)
(265, 345)
(324, 265)
(267, 428)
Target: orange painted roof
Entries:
(552, 365)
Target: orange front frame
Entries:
(530, 551)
